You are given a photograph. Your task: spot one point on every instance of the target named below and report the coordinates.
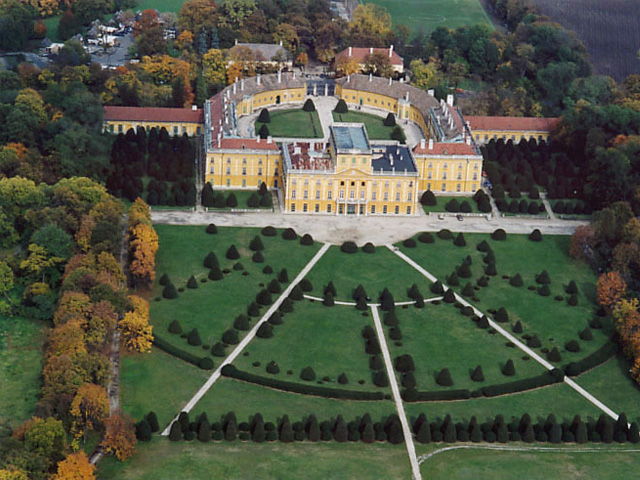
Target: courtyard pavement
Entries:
(379, 230)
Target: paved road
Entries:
(376, 229)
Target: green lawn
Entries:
(242, 196)
(329, 339)
(442, 202)
(157, 382)
(21, 342)
(427, 15)
(559, 399)
(374, 271)
(612, 385)
(294, 123)
(52, 27)
(553, 321)
(607, 463)
(376, 130)
(247, 399)
(432, 334)
(160, 460)
(214, 305)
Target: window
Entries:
(444, 175)
(259, 161)
(352, 194)
(198, 130)
(317, 207)
(294, 181)
(459, 175)
(375, 184)
(410, 184)
(244, 182)
(361, 194)
(228, 170)
(396, 210)
(362, 184)
(475, 175)
(228, 182)
(244, 161)
(408, 210)
(305, 194)
(386, 196)
(341, 194)
(111, 127)
(445, 164)
(228, 160)
(398, 185)
(353, 184)
(397, 196)
(458, 187)
(120, 128)
(275, 172)
(244, 170)
(459, 166)
(475, 166)
(175, 130)
(317, 194)
(293, 194)
(259, 171)
(429, 186)
(444, 187)
(429, 175)
(293, 207)
(306, 182)
(373, 209)
(340, 209)
(184, 129)
(373, 195)
(329, 195)
(353, 160)
(304, 207)
(317, 183)
(409, 197)
(384, 209)
(386, 184)
(473, 187)
(329, 208)
(342, 184)
(211, 169)
(344, 160)
(331, 183)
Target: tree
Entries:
(6, 281)
(75, 467)
(88, 409)
(611, 289)
(214, 68)
(264, 116)
(119, 438)
(197, 15)
(207, 196)
(46, 437)
(136, 332)
(425, 75)
(379, 64)
(309, 106)
(175, 434)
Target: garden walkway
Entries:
(250, 336)
(511, 337)
(406, 430)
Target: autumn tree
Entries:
(611, 289)
(370, 25)
(196, 15)
(47, 438)
(88, 409)
(143, 244)
(214, 69)
(120, 437)
(136, 331)
(6, 283)
(582, 242)
(75, 467)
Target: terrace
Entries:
(307, 157)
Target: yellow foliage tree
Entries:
(13, 475)
(38, 261)
(75, 467)
(214, 68)
(88, 409)
(136, 332)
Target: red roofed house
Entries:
(448, 167)
(177, 121)
(359, 55)
(511, 128)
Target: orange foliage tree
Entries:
(75, 467)
(581, 241)
(119, 437)
(143, 245)
(611, 289)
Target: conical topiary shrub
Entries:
(477, 375)
(170, 292)
(211, 260)
(444, 378)
(192, 282)
(509, 369)
(232, 253)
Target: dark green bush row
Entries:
(306, 389)
(547, 378)
(200, 362)
(598, 357)
(412, 395)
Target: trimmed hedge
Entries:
(412, 395)
(499, 235)
(547, 378)
(349, 247)
(165, 346)
(289, 234)
(598, 357)
(269, 231)
(306, 389)
(369, 248)
(426, 237)
(445, 234)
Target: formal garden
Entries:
(313, 375)
(290, 123)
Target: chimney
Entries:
(194, 107)
(468, 139)
(406, 96)
(348, 78)
(242, 85)
(258, 139)
(422, 143)
(280, 42)
(236, 41)
(350, 50)
(234, 85)
(390, 51)
(450, 100)
(294, 75)
(370, 77)
(431, 144)
(269, 139)
(279, 76)
(258, 79)
(390, 81)
(431, 92)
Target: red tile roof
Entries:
(149, 114)
(445, 149)
(360, 54)
(247, 143)
(512, 124)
